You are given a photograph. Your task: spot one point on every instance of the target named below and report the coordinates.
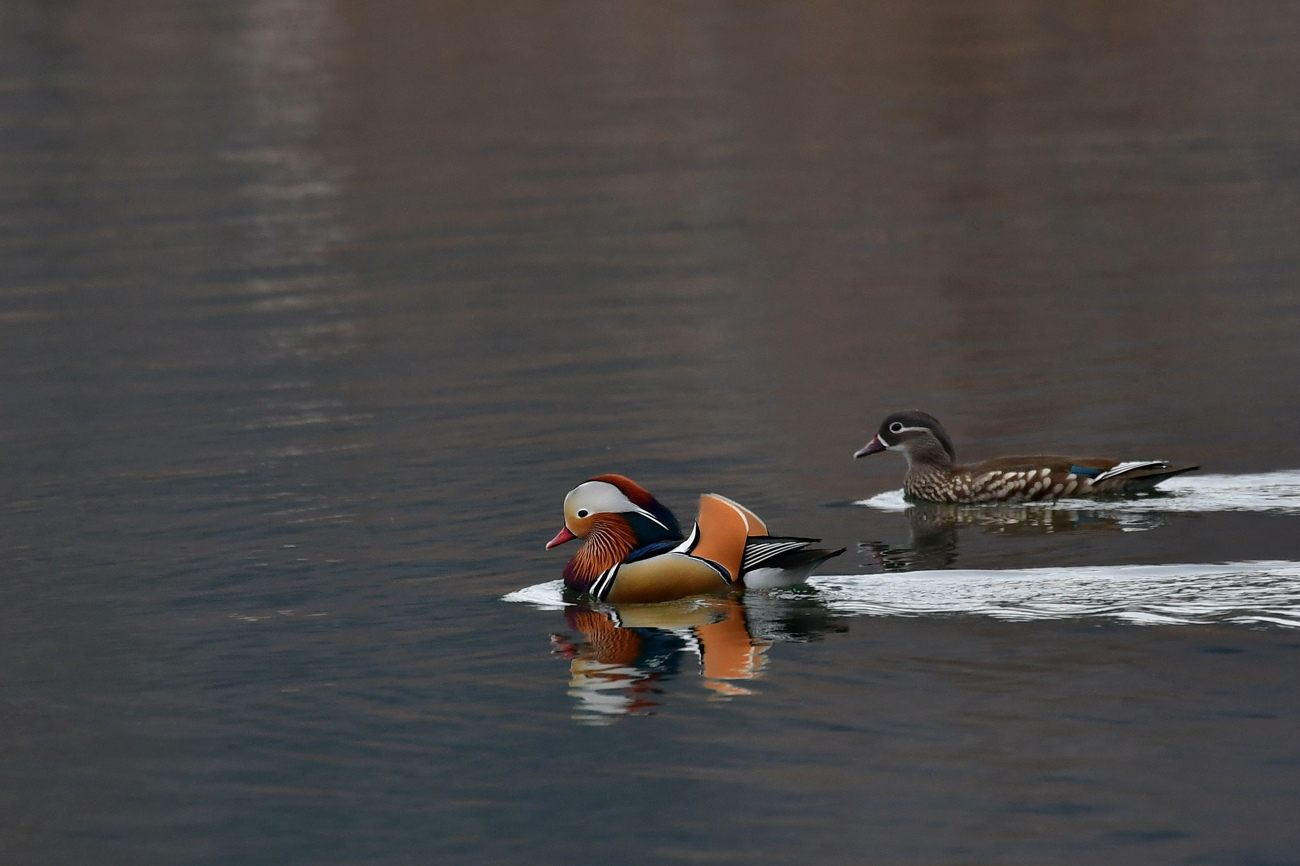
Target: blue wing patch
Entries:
(1085, 471)
(650, 550)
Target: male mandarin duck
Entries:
(934, 475)
(633, 550)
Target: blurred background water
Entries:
(311, 312)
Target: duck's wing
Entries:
(754, 523)
(649, 550)
(720, 533)
(1037, 462)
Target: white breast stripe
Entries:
(604, 584)
(689, 544)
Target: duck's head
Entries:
(593, 504)
(613, 516)
(918, 435)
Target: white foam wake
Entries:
(1276, 492)
(1236, 592)
(543, 596)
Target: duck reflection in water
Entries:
(935, 529)
(624, 655)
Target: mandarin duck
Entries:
(633, 549)
(934, 475)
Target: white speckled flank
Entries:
(1027, 485)
(973, 485)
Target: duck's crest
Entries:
(642, 498)
(630, 488)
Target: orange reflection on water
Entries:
(624, 653)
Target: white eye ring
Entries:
(582, 512)
(896, 427)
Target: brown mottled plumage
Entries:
(934, 475)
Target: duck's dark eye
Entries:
(896, 427)
(582, 512)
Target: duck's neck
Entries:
(608, 543)
(927, 456)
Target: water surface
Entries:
(311, 312)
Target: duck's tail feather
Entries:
(761, 550)
(1139, 475)
(773, 561)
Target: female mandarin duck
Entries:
(933, 474)
(633, 549)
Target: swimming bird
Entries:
(633, 549)
(934, 475)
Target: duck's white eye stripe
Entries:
(896, 427)
(650, 516)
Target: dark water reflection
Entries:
(935, 529)
(623, 655)
(311, 312)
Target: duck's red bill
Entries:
(562, 536)
(873, 447)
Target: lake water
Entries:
(311, 313)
